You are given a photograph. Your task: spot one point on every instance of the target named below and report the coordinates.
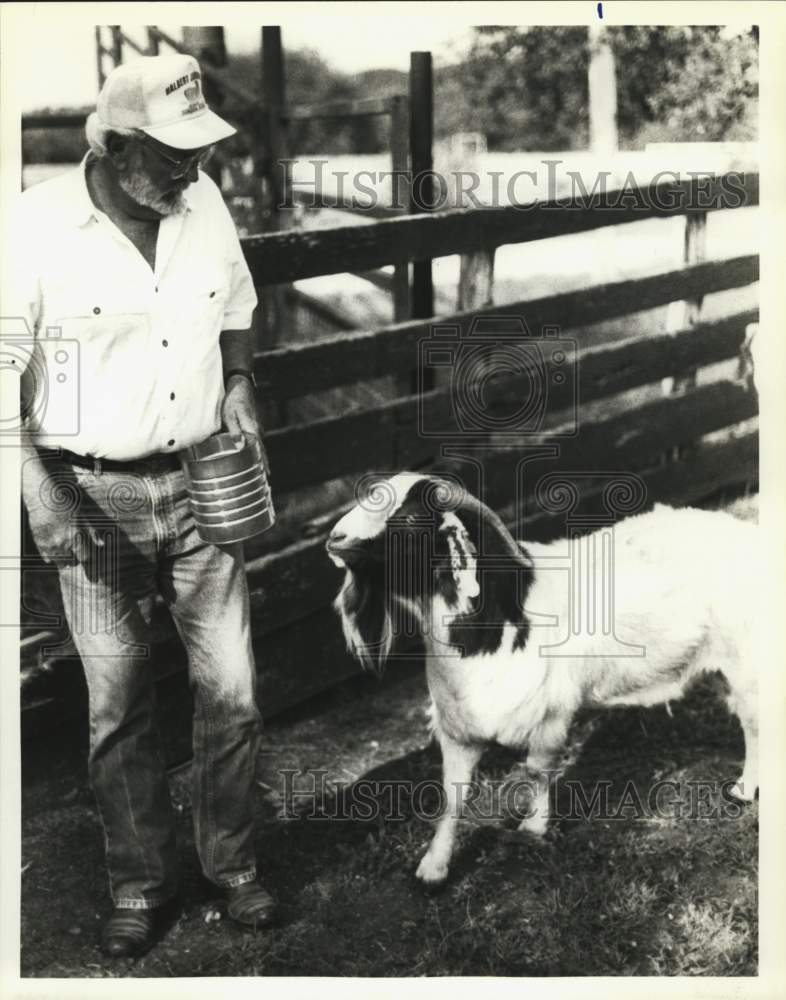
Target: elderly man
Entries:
(129, 273)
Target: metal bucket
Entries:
(228, 489)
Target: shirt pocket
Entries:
(207, 296)
(102, 342)
(75, 310)
(101, 358)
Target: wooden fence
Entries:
(297, 639)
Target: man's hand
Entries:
(52, 528)
(239, 415)
(57, 541)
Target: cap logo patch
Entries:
(181, 82)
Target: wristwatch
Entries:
(245, 372)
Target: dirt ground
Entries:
(631, 892)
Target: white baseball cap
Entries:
(162, 96)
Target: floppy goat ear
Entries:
(365, 619)
(462, 577)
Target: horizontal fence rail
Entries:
(53, 119)
(341, 109)
(389, 437)
(305, 368)
(294, 254)
(353, 206)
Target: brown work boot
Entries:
(250, 905)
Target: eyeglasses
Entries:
(185, 165)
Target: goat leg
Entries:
(458, 764)
(546, 746)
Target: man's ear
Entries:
(463, 562)
(117, 147)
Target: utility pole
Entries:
(206, 44)
(602, 93)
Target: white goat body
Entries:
(683, 587)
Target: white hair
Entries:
(97, 134)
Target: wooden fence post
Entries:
(206, 43)
(421, 139)
(476, 270)
(602, 86)
(686, 312)
(399, 154)
(695, 253)
(421, 130)
(100, 57)
(117, 44)
(274, 191)
(274, 101)
(476, 281)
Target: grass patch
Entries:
(662, 894)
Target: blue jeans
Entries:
(152, 546)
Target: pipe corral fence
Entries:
(683, 445)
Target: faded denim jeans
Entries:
(152, 546)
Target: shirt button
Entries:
(212, 294)
(170, 442)
(96, 310)
(171, 395)
(165, 343)
(156, 288)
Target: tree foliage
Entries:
(686, 83)
(526, 88)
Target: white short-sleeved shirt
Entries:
(126, 361)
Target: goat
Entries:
(494, 620)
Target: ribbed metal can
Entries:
(228, 489)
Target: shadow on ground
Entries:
(622, 893)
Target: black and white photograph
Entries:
(392, 538)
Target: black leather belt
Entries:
(142, 466)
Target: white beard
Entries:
(137, 186)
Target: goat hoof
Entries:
(432, 888)
(744, 791)
(431, 877)
(515, 837)
(524, 838)
(534, 826)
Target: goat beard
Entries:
(365, 617)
